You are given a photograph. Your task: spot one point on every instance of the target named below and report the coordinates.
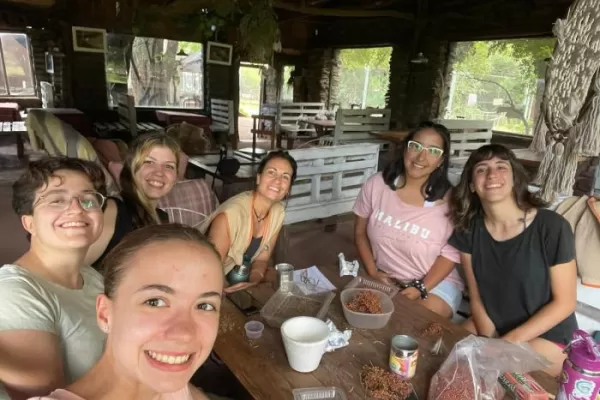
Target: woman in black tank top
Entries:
(149, 173)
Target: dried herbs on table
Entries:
(384, 385)
(365, 302)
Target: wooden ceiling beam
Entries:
(343, 13)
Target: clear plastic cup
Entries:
(254, 329)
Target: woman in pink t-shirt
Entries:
(402, 226)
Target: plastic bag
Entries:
(472, 369)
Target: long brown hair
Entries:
(133, 196)
(466, 205)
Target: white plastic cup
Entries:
(254, 329)
(305, 340)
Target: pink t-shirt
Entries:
(405, 239)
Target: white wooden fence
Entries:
(467, 135)
(329, 180)
(356, 125)
(221, 113)
(288, 115)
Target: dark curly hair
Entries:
(38, 174)
(465, 204)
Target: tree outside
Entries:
(158, 72)
(499, 81)
(364, 77)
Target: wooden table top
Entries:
(394, 136)
(262, 367)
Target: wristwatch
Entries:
(420, 286)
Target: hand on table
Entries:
(382, 277)
(411, 293)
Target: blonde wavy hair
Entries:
(134, 197)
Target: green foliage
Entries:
(355, 63)
(499, 72)
(374, 57)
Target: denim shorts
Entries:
(450, 293)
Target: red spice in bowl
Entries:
(365, 302)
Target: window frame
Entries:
(205, 104)
(36, 89)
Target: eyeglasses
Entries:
(418, 147)
(88, 201)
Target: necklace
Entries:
(259, 219)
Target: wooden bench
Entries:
(222, 115)
(127, 120)
(287, 123)
(358, 126)
(329, 180)
(467, 135)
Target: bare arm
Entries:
(563, 282)
(483, 323)
(440, 269)
(31, 363)
(218, 234)
(363, 246)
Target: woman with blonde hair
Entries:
(149, 173)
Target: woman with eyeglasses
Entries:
(48, 331)
(244, 229)
(401, 227)
(149, 173)
(518, 256)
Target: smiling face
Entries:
(424, 153)
(275, 180)
(157, 173)
(64, 226)
(492, 180)
(164, 315)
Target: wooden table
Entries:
(207, 163)
(262, 366)
(17, 129)
(168, 117)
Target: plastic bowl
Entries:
(254, 329)
(364, 320)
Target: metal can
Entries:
(285, 277)
(404, 354)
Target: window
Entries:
(364, 77)
(158, 72)
(16, 73)
(500, 81)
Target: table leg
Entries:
(20, 145)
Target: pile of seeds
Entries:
(226, 323)
(384, 385)
(459, 383)
(433, 330)
(365, 302)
